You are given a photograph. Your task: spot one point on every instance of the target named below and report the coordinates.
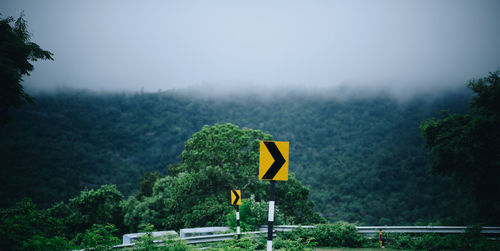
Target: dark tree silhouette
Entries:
(16, 52)
(467, 146)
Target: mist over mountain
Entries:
(343, 92)
(361, 157)
(128, 45)
(143, 116)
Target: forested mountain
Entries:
(362, 158)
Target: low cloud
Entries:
(226, 47)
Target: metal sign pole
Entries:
(270, 218)
(238, 221)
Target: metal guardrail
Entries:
(200, 238)
(366, 230)
(283, 228)
(423, 229)
(217, 237)
(130, 238)
(400, 229)
(189, 232)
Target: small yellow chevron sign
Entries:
(235, 197)
(273, 162)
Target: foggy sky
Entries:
(402, 45)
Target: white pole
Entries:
(270, 219)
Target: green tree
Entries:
(361, 158)
(148, 180)
(196, 193)
(467, 146)
(16, 52)
(92, 206)
(148, 242)
(98, 237)
(23, 227)
(228, 148)
(253, 214)
(293, 199)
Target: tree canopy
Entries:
(361, 159)
(16, 52)
(467, 146)
(86, 221)
(226, 147)
(215, 160)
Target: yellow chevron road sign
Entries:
(235, 197)
(273, 162)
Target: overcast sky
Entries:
(129, 45)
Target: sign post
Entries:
(236, 201)
(273, 165)
(380, 238)
(270, 218)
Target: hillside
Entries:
(361, 158)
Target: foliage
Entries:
(187, 200)
(98, 237)
(259, 243)
(100, 206)
(293, 200)
(174, 245)
(471, 239)
(23, 227)
(253, 214)
(340, 234)
(147, 182)
(226, 147)
(467, 146)
(40, 242)
(294, 244)
(216, 160)
(148, 242)
(361, 160)
(371, 173)
(245, 243)
(132, 214)
(88, 220)
(16, 52)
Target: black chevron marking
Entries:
(237, 197)
(278, 160)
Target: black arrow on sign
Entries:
(278, 160)
(237, 197)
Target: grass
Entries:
(357, 249)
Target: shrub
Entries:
(148, 242)
(24, 227)
(300, 244)
(245, 243)
(340, 234)
(39, 242)
(253, 214)
(259, 243)
(471, 239)
(98, 237)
